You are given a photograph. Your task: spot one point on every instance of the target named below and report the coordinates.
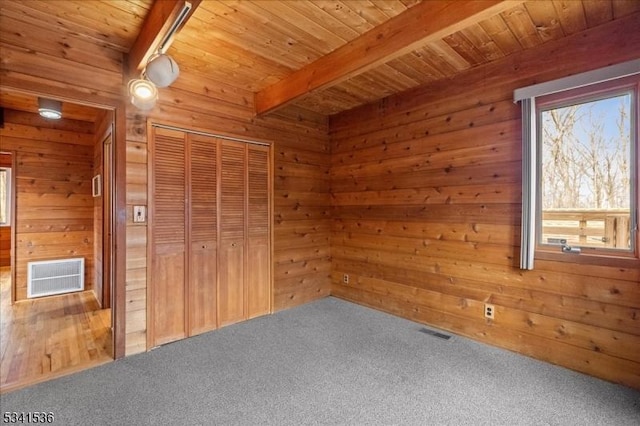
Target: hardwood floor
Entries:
(49, 337)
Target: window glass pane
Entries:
(585, 174)
(4, 201)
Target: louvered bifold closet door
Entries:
(203, 236)
(258, 239)
(167, 239)
(231, 285)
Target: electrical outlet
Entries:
(489, 311)
(345, 278)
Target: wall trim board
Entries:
(209, 133)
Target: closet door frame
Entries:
(151, 124)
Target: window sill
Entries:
(583, 258)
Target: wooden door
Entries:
(167, 237)
(231, 285)
(258, 268)
(209, 239)
(203, 235)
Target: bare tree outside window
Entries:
(585, 172)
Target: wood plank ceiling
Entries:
(29, 103)
(249, 46)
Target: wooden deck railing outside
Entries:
(593, 228)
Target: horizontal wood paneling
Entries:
(302, 200)
(426, 216)
(60, 51)
(23, 61)
(28, 105)
(448, 143)
(136, 267)
(54, 206)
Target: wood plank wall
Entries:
(49, 58)
(65, 64)
(426, 191)
(54, 206)
(61, 62)
(301, 188)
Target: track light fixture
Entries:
(49, 108)
(161, 69)
(143, 94)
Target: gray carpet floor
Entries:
(328, 362)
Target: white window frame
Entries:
(530, 161)
(9, 195)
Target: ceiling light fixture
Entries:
(49, 108)
(177, 23)
(161, 69)
(143, 94)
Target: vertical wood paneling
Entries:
(426, 222)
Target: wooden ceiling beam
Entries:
(421, 24)
(156, 26)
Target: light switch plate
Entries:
(139, 214)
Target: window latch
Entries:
(568, 249)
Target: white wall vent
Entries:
(50, 277)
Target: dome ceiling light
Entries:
(50, 109)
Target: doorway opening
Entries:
(61, 207)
